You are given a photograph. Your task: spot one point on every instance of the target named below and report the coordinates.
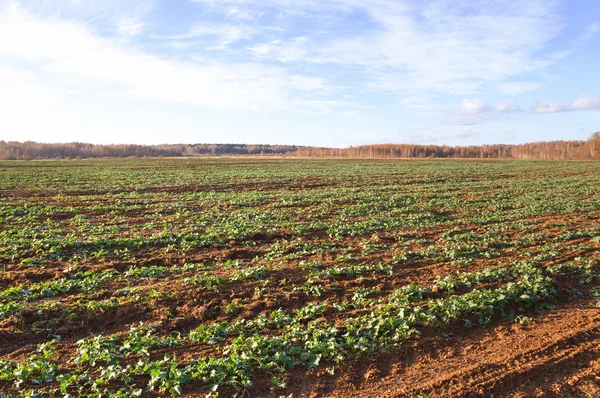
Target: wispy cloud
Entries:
(589, 33)
(475, 111)
(508, 106)
(219, 36)
(414, 49)
(585, 102)
(292, 50)
(129, 26)
(470, 112)
(353, 64)
(437, 46)
(71, 55)
(542, 106)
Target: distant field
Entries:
(270, 277)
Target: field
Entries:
(287, 277)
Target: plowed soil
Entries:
(96, 248)
(554, 355)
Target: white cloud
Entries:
(69, 55)
(508, 106)
(297, 56)
(129, 26)
(439, 46)
(292, 50)
(475, 111)
(473, 107)
(470, 41)
(469, 112)
(242, 14)
(586, 102)
(107, 13)
(542, 107)
(220, 35)
(582, 103)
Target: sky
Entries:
(306, 72)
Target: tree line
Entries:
(536, 150)
(72, 150)
(589, 149)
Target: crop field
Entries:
(296, 278)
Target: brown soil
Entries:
(557, 354)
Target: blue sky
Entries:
(307, 72)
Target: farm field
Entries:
(299, 277)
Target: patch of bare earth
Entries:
(557, 354)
